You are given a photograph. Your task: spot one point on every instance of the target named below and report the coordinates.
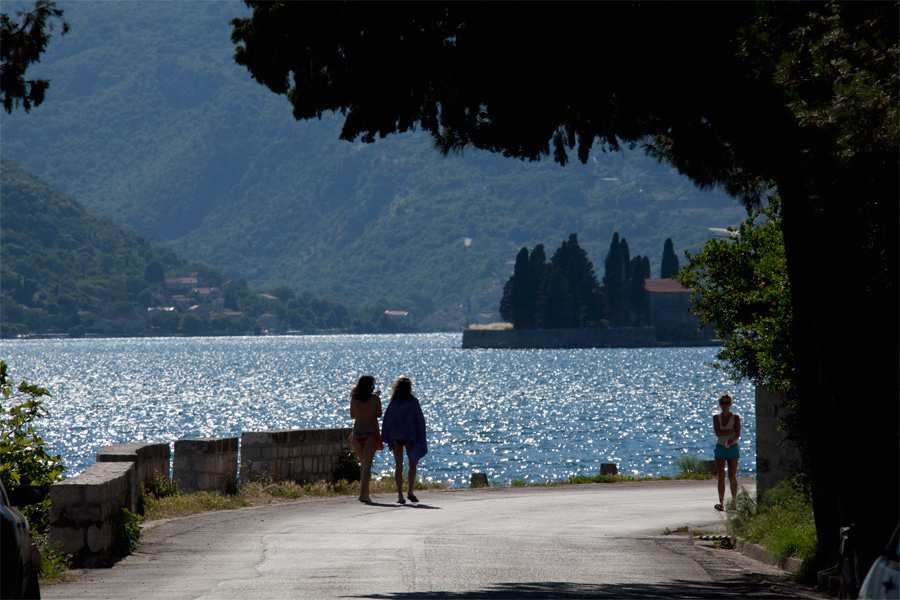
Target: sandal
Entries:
(718, 507)
(401, 501)
(412, 498)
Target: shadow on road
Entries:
(742, 588)
(395, 505)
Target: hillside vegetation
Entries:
(63, 271)
(150, 123)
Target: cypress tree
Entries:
(520, 292)
(669, 266)
(514, 291)
(583, 286)
(613, 280)
(626, 256)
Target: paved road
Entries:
(573, 542)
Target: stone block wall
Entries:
(588, 337)
(206, 465)
(84, 510)
(777, 458)
(148, 459)
(301, 455)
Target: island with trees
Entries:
(561, 304)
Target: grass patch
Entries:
(689, 468)
(182, 505)
(682, 529)
(601, 479)
(782, 522)
(257, 493)
(54, 563)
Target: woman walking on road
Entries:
(728, 431)
(365, 409)
(404, 427)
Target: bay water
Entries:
(532, 415)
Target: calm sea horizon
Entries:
(532, 415)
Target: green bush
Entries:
(24, 459)
(53, 560)
(128, 533)
(782, 522)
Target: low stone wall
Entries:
(301, 455)
(148, 460)
(588, 337)
(206, 465)
(84, 510)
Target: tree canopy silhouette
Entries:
(21, 45)
(751, 97)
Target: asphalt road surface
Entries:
(572, 542)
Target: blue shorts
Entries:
(729, 452)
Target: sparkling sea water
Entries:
(514, 414)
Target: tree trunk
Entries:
(846, 333)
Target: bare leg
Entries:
(412, 477)
(732, 477)
(365, 468)
(720, 474)
(398, 468)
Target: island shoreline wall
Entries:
(586, 337)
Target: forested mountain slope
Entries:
(149, 122)
(63, 271)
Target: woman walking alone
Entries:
(404, 427)
(365, 409)
(727, 426)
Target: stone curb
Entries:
(755, 551)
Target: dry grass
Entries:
(492, 327)
(262, 493)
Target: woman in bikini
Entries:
(404, 427)
(365, 409)
(728, 431)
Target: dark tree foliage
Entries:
(614, 282)
(563, 293)
(799, 96)
(636, 292)
(21, 45)
(669, 267)
(154, 272)
(579, 285)
(517, 306)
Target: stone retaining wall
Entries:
(206, 465)
(148, 459)
(588, 337)
(84, 510)
(301, 455)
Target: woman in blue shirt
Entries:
(404, 427)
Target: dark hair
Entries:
(402, 389)
(363, 389)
